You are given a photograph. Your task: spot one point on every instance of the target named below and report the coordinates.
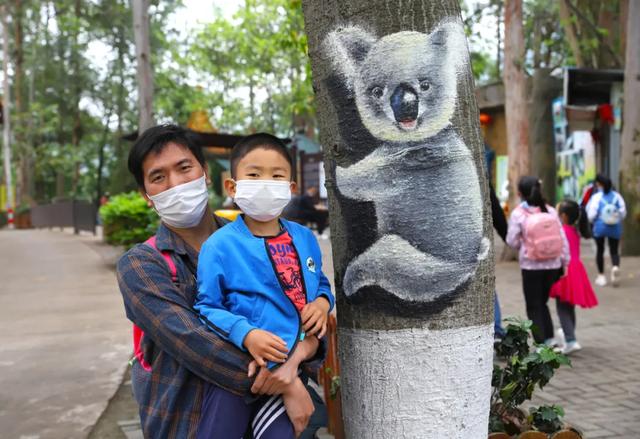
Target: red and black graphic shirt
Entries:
(287, 265)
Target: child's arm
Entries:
(210, 299)
(236, 328)
(514, 231)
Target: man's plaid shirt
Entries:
(181, 350)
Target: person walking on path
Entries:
(574, 287)
(182, 354)
(536, 232)
(606, 210)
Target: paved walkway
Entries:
(601, 392)
(64, 340)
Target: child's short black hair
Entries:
(255, 141)
(154, 140)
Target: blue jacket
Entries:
(239, 290)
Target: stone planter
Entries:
(562, 434)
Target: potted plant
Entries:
(514, 380)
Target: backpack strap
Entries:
(151, 242)
(137, 332)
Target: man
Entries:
(302, 208)
(182, 353)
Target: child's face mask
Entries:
(262, 200)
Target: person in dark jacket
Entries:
(500, 225)
(302, 208)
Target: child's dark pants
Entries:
(225, 415)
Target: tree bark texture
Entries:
(144, 71)
(410, 221)
(6, 106)
(516, 105)
(543, 151)
(630, 148)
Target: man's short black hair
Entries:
(154, 140)
(255, 141)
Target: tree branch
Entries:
(595, 31)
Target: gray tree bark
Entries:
(140, 10)
(409, 214)
(515, 90)
(630, 147)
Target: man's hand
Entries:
(265, 346)
(314, 317)
(299, 406)
(273, 383)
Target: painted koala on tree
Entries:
(422, 178)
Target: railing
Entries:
(81, 215)
(329, 377)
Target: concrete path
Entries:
(601, 392)
(64, 340)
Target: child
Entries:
(606, 210)
(574, 287)
(260, 285)
(535, 231)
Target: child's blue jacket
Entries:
(239, 290)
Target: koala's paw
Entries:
(395, 265)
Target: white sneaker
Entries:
(615, 275)
(572, 346)
(559, 338)
(601, 280)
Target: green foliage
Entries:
(514, 382)
(3, 218)
(546, 418)
(250, 71)
(127, 219)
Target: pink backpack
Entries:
(542, 236)
(137, 332)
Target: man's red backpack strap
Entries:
(137, 332)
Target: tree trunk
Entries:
(543, 151)
(23, 173)
(143, 56)
(410, 222)
(630, 153)
(515, 90)
(6, 113)
(571, 33)
(76, 129)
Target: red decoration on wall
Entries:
(485, 119)
(605, 113)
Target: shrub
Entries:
(127, 220)
(3, 219)
(515, 381)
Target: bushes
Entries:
(3, 219)
(127, 219)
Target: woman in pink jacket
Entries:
(536, 232)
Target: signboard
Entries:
(576, 165)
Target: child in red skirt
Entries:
(574, 288)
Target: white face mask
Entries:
(262, 200)
(184, 205)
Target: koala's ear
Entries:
(347, 47)
(450, 36)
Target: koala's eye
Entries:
(424, 85)
(377, 92)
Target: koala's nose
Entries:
(404, 103)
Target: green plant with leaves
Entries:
(546, 418)
(128, 220)
(522, 372)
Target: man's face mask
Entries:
(184, 205)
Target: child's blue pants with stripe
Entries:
(225, 415)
